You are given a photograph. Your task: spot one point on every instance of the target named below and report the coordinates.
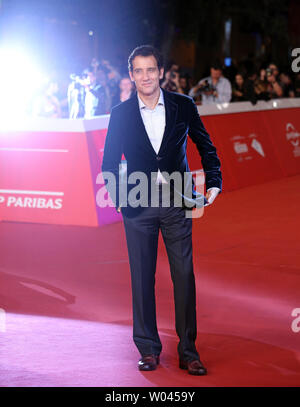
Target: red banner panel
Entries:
(194, 159)
(284, 128)
(247, 149)
(46, 178)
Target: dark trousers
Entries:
(142, 234)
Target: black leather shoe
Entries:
(148, 362)
(194, 367)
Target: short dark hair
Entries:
(145, 51)
(217, 64)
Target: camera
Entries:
(206, 87)
(78, 80)
(269, 72)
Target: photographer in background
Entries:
(95, 95)
(214, 88)
(172, 81)
(275, 87)
(76, 95)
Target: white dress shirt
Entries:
(155, 123)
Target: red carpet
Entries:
(67, 298)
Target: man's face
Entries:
(215, 73)
(145, 74)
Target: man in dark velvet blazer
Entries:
(151, 130)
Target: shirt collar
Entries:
(160, 100)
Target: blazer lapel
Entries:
(139, 125)
(171, 109)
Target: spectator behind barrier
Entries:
(288, 87)
(126, 90)
(261, 86)
(243, 90)
(172, 80)
(275, 87)
(297, 85)
(102, 79)
(184, 83)
(47, 104)
(214, 88)
(113, 78)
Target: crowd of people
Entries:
(101, 86)
(227, 85)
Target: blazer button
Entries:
(158, 157)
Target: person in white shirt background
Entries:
(214, 88)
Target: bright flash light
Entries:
(19, 82)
